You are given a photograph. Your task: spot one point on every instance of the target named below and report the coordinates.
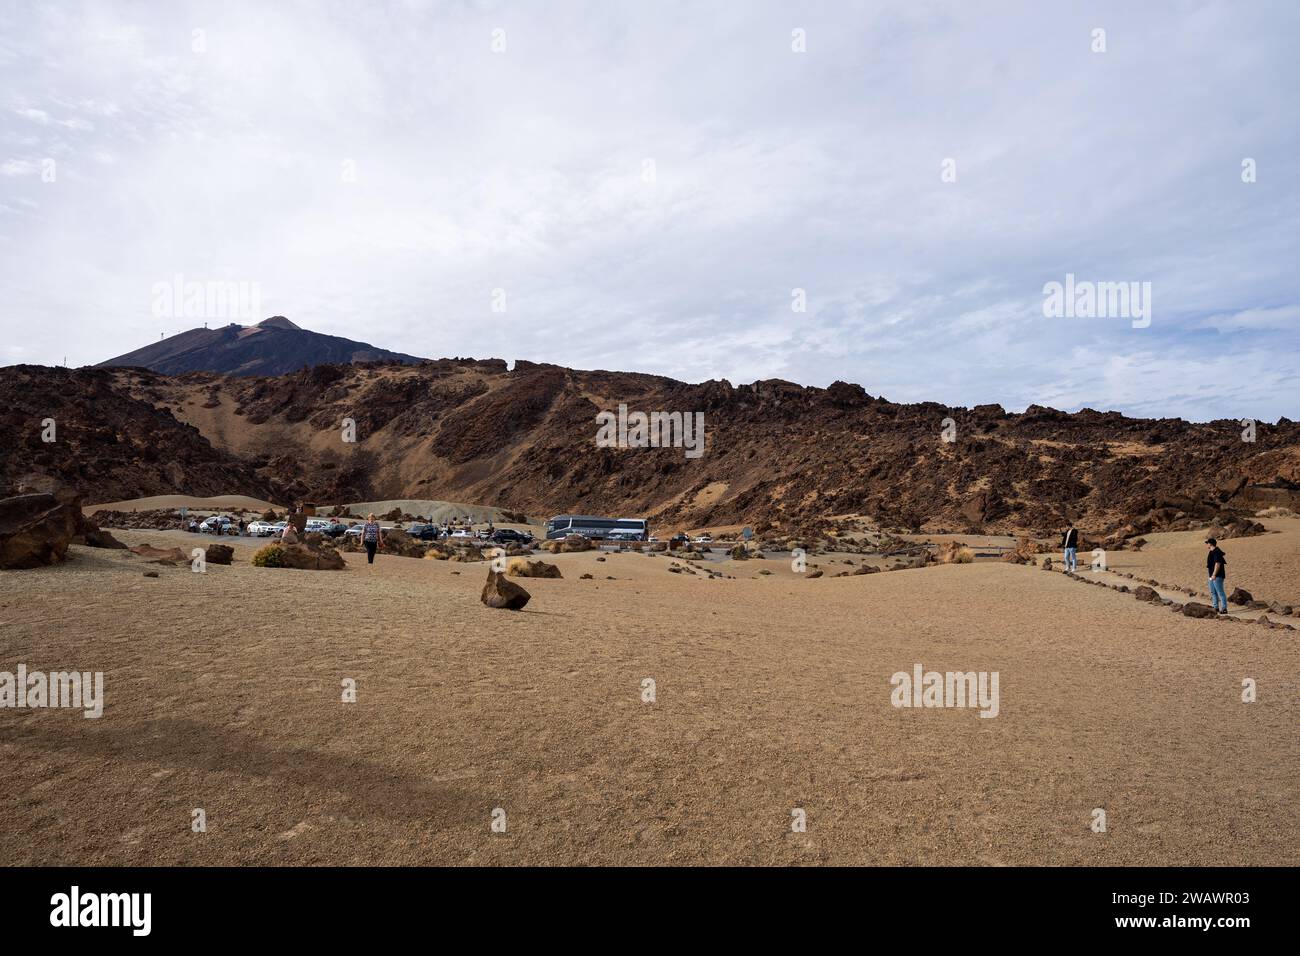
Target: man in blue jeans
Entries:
(1070, 544)
(1216, 566)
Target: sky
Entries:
(871, 192)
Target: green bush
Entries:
(271, 556)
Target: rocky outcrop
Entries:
(156, 519)
(312, 553)
(35, 530)
(775, 453)
(1195, 609)
(1234, 527)
(108, 440)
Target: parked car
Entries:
(705, 538)
(463, 534)
(353, 531)
(336, 529)
(318, 525)
(217, 524)
(423, 532)
(677, 540)
(510, 536)
(261, 529)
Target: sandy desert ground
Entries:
(1266, 565)
(772, 693)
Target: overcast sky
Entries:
(649, 183)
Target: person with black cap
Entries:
(1216, 566)
(1070, 545)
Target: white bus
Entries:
(629, 529)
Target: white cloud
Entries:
(772, 170)
(1282, 319)
(18, 167)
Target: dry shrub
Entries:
(271, 556)
(523, 568)
(954, 552)
(1275, 512)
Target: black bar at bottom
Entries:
(328, 904)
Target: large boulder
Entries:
(1240, 596)
(304, 558)
(36, 529)
(94, 537)
(398, 542)
(500, 592)
(1194, 609)
(1225, 527)
(219, 554)
(1144, 593)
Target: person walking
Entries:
(1070, 544)
(1216, 565)
(372, 536)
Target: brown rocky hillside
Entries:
(524, 439)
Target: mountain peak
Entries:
(277, 322)
(242, 350)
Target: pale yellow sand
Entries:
(772, 693)
(1266, 565)
(438, 511)
(185, 501)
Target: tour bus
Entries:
(628, 529)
